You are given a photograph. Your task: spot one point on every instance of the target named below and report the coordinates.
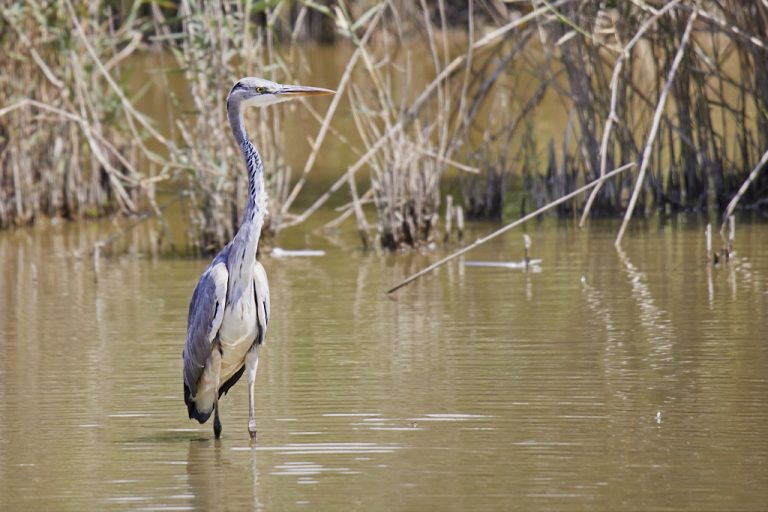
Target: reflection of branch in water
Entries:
(361, 287)
(740, 267)
(595, 302)
(750, 275)
(653, 319)
(616, 358)
(732, 279)
(528, 288)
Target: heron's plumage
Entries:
(261, 295)
(208, 316)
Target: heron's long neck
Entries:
(256, 208)
(247, 237)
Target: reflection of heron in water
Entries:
(209, 476)
(229, 311)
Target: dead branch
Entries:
(506, 228)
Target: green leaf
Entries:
(317, 7)
(263, 5)
(362, 20)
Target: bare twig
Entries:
(726, 27)
(508, 227)
(654, 128)
(83, 123)
(488, 41)
(614, 96)
(331, 111)
(115, 88)
(742, 190)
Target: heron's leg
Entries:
(216, 366)
(251, 364)
(216, 421)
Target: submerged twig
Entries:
(509, 226)
(527, 247)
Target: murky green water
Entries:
(642, 387)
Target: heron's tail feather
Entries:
(231, 381)
(200, 407)
(194, 412)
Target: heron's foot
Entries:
(217, 428)
(252, 429)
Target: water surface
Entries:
(605, 381)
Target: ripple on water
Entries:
(479, 391)
(323, 448)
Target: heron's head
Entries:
(252, 91)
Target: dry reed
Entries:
(216, 44)
(65, 149)
(679, 89)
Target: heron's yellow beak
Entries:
(294, 91)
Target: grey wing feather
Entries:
(206, 311)
(261, 294)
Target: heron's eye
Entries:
(260, 90)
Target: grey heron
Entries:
(229, 310)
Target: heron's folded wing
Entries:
(206, 312)
(261, 294)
